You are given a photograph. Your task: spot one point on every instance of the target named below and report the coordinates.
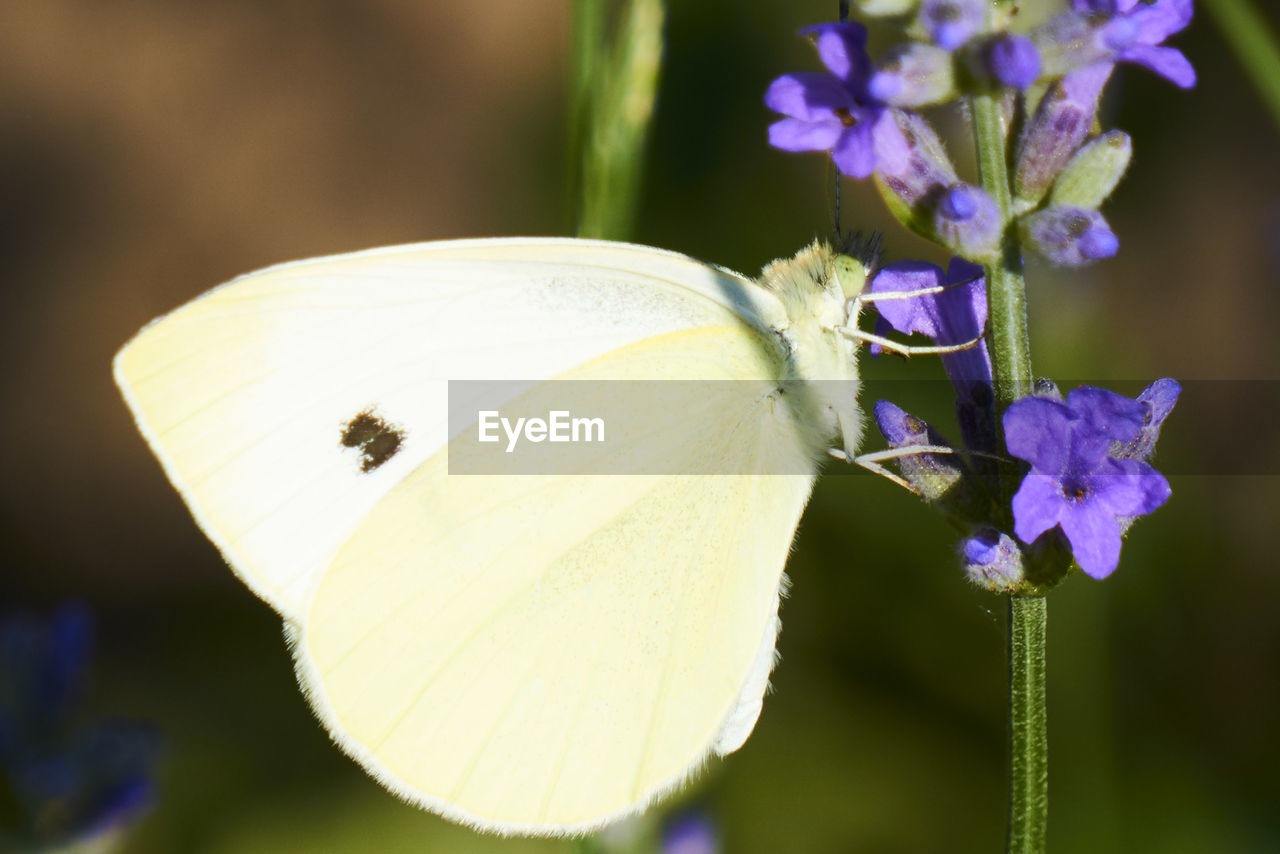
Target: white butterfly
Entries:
(536, 654)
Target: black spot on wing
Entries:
(377, 439)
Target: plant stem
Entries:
(1028, 732)
(1006, 289)
(1253, 42)
(1011, 376)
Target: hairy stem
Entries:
(1006, 289)
(1028, 731)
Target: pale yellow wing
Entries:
(248, 393)
(542, 654)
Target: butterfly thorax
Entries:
(816, 353)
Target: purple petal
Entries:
(951, 23)
(1094, 535)
(909, 316)
(1129, 488)
(967, 221)
(1039, 431)
(855, 153)
(892, 150)
(1168, 62)
(1159, 399)
(1103, 7)
(1112, 416)
(808, 95)
(1037, 505)
(1159, 20)
(1013, 60)
(801, 135)
(843, 49)
(1069, 236)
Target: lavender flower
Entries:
(1012, 60)
(690, 833)
(954, 316)
(69, 781)
(914, 75)
(1074, 483)
(932, 475)
(1110, 31)
(1061, 122)
(1159, 399)
(1069, 236)
(967, 221)
(951, 23)
(834, 111)
(993, 560)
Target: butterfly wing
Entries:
(542, 654)
(286, 404)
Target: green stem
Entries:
(1253, 42)
(1006, 289)
(1028, 733)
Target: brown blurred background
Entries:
(152, 149)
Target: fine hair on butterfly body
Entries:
(532, 654)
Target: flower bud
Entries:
(914, 75)
(993, 561)
(951, 23)
(1061, 122)
(932, 475)
(1012, 60)
(908, 191)
(1093, 172)
(1069, 237)
(1159, 399)
(967, 221)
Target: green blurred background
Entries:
(154, 148)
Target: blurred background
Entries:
(152, 149)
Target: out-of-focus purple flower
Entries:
(1069, 237)
(914, 75)
(1159, 399)
(953, 316)
(833, 111)
(993, 560)
(1074, 483)
(69, 781)
(1062, 121)
(690, 833)
(1012, 60)
(1118, 31)
(951, 23)
(967, 221)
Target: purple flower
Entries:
(1118, 31)
(1069, 236)
(951, 23)
(1074, 483)
(834, 111)
(914, 75)
(66, 781)
(1062, 121)
(932, 475)
(954, 316)
(691, 833)
(1159, 399)
(1012, 60)
(993, 560)
(967, 221)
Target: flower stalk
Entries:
(1028, 730)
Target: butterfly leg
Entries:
(905, 350)
(872, 461)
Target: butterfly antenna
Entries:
(835, 173)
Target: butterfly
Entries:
(537, 653)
